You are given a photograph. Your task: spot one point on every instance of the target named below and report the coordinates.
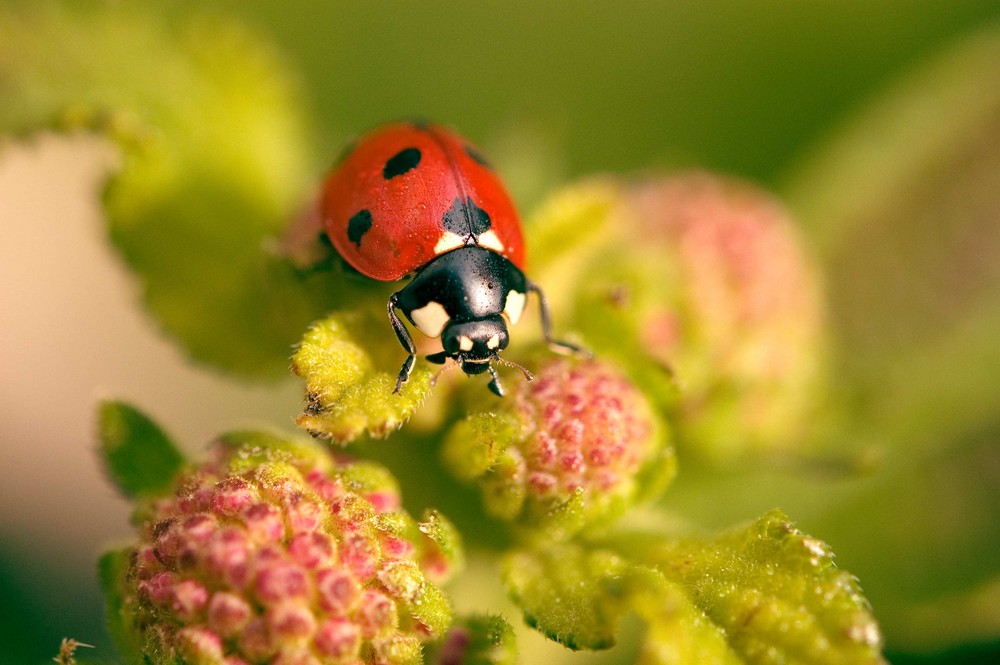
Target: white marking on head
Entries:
(493, 342)
(514, 306)
(465, 343)
(447, 242)
(430, 319)
(489, 240)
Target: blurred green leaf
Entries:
(903, 204)
(112, 569)
(138, 455)
(215, 160)
(923, 537)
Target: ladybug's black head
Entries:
(474, 344)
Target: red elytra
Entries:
(409, 192)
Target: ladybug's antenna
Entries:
(528, 376)
(451, 363)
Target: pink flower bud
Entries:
(232, 496)
(279, 580)
(311, 550)
(338, 638)
(269, 564)
(290, 622)
(199, 646)
(360, 554)
(228, 613)
(188, 599)
(587, 428)
(338, 590)
(264, 522)
(376, 612)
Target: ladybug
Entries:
(416, 198)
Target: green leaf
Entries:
(138, 455)
(120, 614)
(215, 162)
(577, 598)
(566, 593)
(480, 639)
(773, 591)
(766, 593)
(348, 394)
(923, 537)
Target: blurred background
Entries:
(877, 123)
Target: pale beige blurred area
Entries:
(72, 331)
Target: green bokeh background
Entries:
(557, 90)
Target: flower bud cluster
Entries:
(740, 317)
(274, 554)
(575, 444)
(588, 429)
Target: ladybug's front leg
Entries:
(556, 345)
(495, 386)
(403, 335)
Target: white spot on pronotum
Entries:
(430, 319)
(489, 240)
(493, 342)
(465, 343)
(514, 306)
(447, 242)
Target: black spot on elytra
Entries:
(401, 162)
(358, 226)
(477, 157)
(465, 218)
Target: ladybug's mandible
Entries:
(418, 198)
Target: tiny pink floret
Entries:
(312, 550)
(338, 638)
(376, 613)
(264, 522)
(232, 496)
(188, 599)
(279, 581)
(228, 613)
(338, 591)
(290, 621)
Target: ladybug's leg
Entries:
(556, 345)
(403, 335)
(494, 384)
